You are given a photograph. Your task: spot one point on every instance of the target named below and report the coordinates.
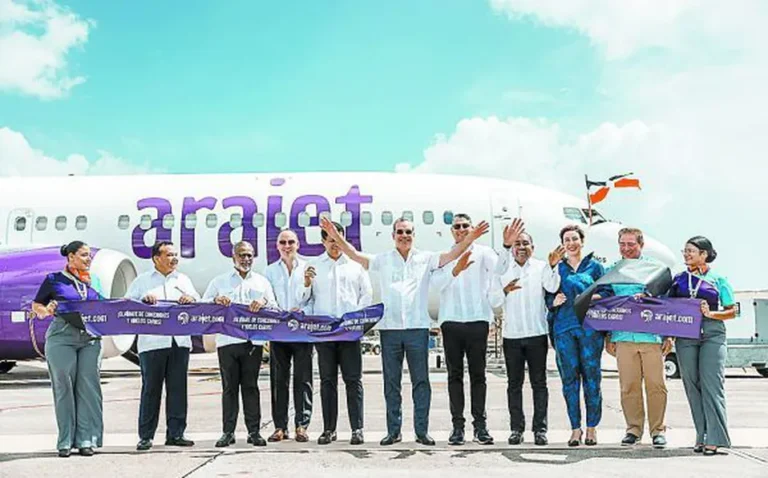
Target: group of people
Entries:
(537, 297)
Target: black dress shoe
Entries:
(357, 437)
(326, 438)
(457, 437)
(540, 438)
(425, 439)
(515, 438)
(256, 439)
(144, 445)
(87, 451)
(698, 448)
(629, 439)
(226, 440)
(391, 440)
(483, 437)
(179, 441)
(64, 453)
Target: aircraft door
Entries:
(18, 230)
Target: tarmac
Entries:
(28, 433)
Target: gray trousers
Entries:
(74, 364)
(702, 367)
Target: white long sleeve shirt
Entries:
(288, 288)
(241, 291)
(404, 288)
(472, 295)
(170, 287)
(525, 312)
(339, 286)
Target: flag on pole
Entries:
(620, 181)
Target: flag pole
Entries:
(589, 200)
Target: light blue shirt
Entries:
(626, 290)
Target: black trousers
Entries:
(470, 339)
(281, 354)
(157, 366)
(239, 365)
(348, 356)
(518, 352)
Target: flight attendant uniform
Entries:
(74, 365)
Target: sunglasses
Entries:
(407, 232)
(283, 242)
(463, 225)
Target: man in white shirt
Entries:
(163, 358)
(240, 359)
(286, 277)
(525, 281)
(336, 285)
(467, 298)
(404, 274)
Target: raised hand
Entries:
(309, 274)
(462, 264)
(559, 299)
(327, 226)
(556, 256)
(222, 300)
(512, 286)
(513, 231)
(479, 230)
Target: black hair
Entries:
(703, 244)
(159, 245)
(339, 227)
(571, 228)
(461, 215)
(71, 248)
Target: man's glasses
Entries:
(460, 226)
(289, 242)
(407, 232)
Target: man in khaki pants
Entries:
(640, 356)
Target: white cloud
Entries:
(35, 39)
(698, 111)
(19, 158)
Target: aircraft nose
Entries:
(656, 249)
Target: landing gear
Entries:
(6, 367)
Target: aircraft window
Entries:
(448, 217)
(408, 216)
(366, 218)
(236, 220)
(258, 220)
(123, 221)
(428, 217)
(190, 221)
(280, 220)
(81, 222)
(597, 218)
(211, 220)
(41, 223)
(386, 218)
(303, 219)
(574, 214)
(346, 219)
(145, 222)
(21, 223)
(168, 221)
(61, 223)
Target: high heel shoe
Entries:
(577, 441)
(591, 441)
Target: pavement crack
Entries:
(203, 464)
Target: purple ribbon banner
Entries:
(666, 317)
(123, 316)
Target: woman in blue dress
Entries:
(702, 361)
(578, 350)
(73, 356)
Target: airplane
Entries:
(204, 215)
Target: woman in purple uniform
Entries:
(702, 361)
(73, 356)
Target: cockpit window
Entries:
(574, 214)
(597, 218)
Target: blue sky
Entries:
(298, 85)
(538, 91)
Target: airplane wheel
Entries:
(132, 354)
(6, 367)
(671, 368)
